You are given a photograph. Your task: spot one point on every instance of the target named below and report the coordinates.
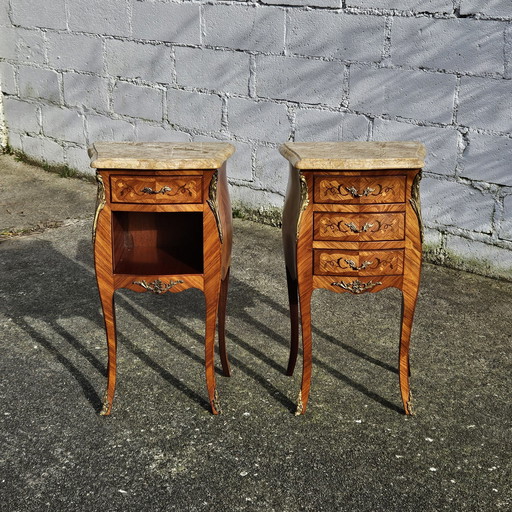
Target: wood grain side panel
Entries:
(226, 219)
(305, 288)
(291, 212)
(212, 285)
(104, 278)
(410, 288)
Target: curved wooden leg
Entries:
(293, 300)
(108, 306)
(404, 371)
(305, 314)
(211, 293)
(222, 324)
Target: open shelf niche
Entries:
(164, 243)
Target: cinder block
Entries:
(138, 60)
(258, 120)
(464, 45)
(42, 149)
(240, 163)
(102, 128)
(494, 8)
(138, 101)
(14, 140)
(493, 260)
(506, 225)
(244, 27)
(271, 170)
(257, 199)
(356, 38)
(5, 21)
(78, 159)
(99, 17)
(7, 80)
(488, 158)
(299, 79)
(508, 52)
(449, 203)
(217, 70)
(39, 13)
(21, 116)
(39, 83)
(411, 94)
(8, 38)
(305, 3)
(441, 143)
(75, 51)
(321, 125)
(432, 238)
(88, 91)
(437, 6)
(146, 132)
(485, 103)
(194, 110)
(30, 46)
(174, 23)
(63, 124)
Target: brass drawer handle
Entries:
(355, 229)
(149, 190)
(157, 286)
(366, 192)
(353, 266)
(356, 286)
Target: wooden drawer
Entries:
(156, 189)
(356, 227)
(359, 189)
(358, 263)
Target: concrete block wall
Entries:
(262, 72)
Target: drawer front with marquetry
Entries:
(358, 227)
(360, 263)
(359, 189)
(156, 189)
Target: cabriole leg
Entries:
(108, 306)
(212, 295)
(305, 313)
(222, 325)
(293, 300)
(404, 371)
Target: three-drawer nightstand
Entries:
(352, 223)
(163, 224)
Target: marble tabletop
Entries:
(159, 155)
(354, 155)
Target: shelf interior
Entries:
(164, 243)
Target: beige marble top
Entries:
(354, 155)
(159, 155)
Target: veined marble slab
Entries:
(159, 155)
(354, 155)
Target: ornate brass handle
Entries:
(353, 266)
(149, 190)
(157, 286)
(355, 229)
(356, 286)
(366, 192)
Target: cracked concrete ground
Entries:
(161, 449)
